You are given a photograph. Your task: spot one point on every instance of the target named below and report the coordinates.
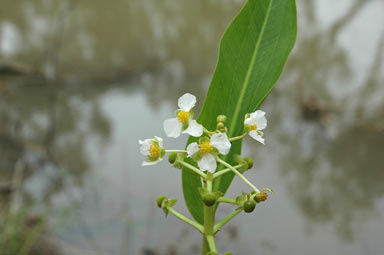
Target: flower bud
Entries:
(172, 157)
(160, 200)
(221, 118)
(227, 253)
(261, 197)
(249, 206)
(212, 253)
(209, 199)
(220, 125)
(249, 162)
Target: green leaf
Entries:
(252, 54)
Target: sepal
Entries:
(172, 157)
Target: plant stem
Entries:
(209, 221)
(204, 247)
(185, 219)
(227, 200)
(194, 169)
(208, 132)
(182, 151)
(211, 243)
(226, 219)
(238, 173)
(209, 186)
(224, 171)
(237, 137)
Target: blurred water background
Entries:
(82, 81)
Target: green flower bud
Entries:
(209, 199)
(221, 118)
(172, 157)
(160, 200)
(220, 125)
(249, 206)
(212, 253)
(227, 253)
(249, 162)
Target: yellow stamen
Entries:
(205, 147)
(183, 116)
(253, 127)
(154, 151)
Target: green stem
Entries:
(208, 132)
(209, 222)
(227, 200)
(185, 219)
(237, 137)
(226, 170)
(204, 247)
(182, 151)
(238, 173)
(211, 243)
(194, 169)
(226, 219)
(209, 186)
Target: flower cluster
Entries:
(210, 145)
(205, 154)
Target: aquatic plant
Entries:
(252, 54)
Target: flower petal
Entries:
(172, 127)
(221, 142)
(250, 121)
(255, 135)
(144, 148)
(194, 129)
(259, 117)
(160, 140)
(187, 102)
(150, 163)
(207, 163)
(192, 149)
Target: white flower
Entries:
(205, 152)
(153, 149)
(256, 122)
(183, 123)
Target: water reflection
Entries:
(331, 143)
(80, 79)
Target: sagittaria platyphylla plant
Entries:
(207, 154)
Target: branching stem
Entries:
(181, 151)
(237, 137)
(238, 173)
(226, 219)
(226, 170)
(185, 219)
(227, 200)
(194, 169)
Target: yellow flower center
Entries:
(154, 151)
(253, 127)
(183, 116)
(205, 147)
